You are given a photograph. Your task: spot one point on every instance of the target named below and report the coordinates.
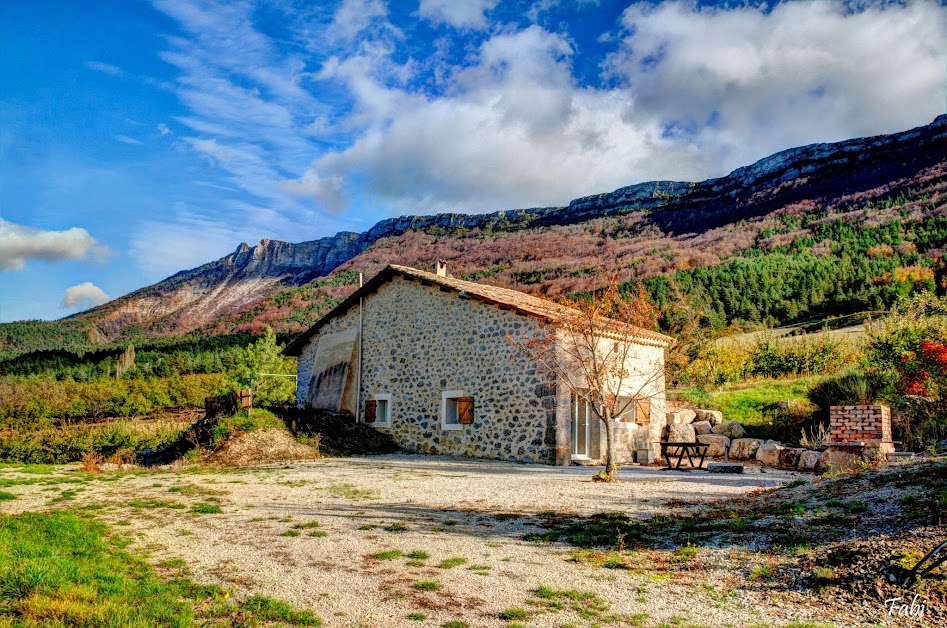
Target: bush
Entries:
(772, 357)
(850, 389)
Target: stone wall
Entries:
(861, 427)
(418, 342)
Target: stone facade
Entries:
(420, 342)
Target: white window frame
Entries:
(386, 397)
(450, 394)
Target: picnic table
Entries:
(683, 449)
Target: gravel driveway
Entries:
(313, 533)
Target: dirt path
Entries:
(312, 534)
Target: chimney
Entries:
(440, 268)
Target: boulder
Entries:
(681, 433)
(730, 429)
(715, 417)
(702, 427)
(789, 457)
(768, 453)
(718, 444)
(809, 460)
(683, 417)
(744, 448)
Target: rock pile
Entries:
(709, 427)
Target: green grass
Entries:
(745, 401)
(514, 613)
(291, 533)
(317, 533)
(154, 503)
(417, 616)
(61, 569)
(306, 526)
(426, 585)
(450, 563)
(205, 508)
(418, 555)
(4, 496)
(388, 554)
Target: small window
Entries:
(378, 410)
(626, 410)
(457, 410)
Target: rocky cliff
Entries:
(194, 298)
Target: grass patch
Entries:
(290, 533)
(417, 616)
(426, 585)
(388, 554)
(350, 491)
(205, 508)
(317, 533)
(512, 614)
(450, 563)
(154, 503)
(746, 402)
(418, 555)
(61, 569)
(5, 496)
(306, 526)
(192, 490)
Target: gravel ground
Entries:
(477, 511)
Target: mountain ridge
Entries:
(200, 297)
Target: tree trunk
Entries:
(611, 466)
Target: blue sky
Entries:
(142, 138)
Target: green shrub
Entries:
(849, 389)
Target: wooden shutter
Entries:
(465, 410)
(370, 410)
(642, 411)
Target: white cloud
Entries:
(19, 244)
(462, 14)
(84, 296)
(354, 16)
(124, 139)
(804, 72)
(163, 129)
(354, 120)
(105, 68)
(700, 92)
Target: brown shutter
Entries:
(370, 412)
(465, 409)
(642, 411)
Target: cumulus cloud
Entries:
(749, 83)
(84, 296)
(163, 129)
(689, 94)
(19, 244)
(466, 14)
(500, 116)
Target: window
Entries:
(634, 410)
(456, 410)
(378, 410)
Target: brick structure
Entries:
(858, 428)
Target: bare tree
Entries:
(602, 351)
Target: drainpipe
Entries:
(358, 376)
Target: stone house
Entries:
(429, 359)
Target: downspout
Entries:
(358, 376)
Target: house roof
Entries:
(502, 297)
